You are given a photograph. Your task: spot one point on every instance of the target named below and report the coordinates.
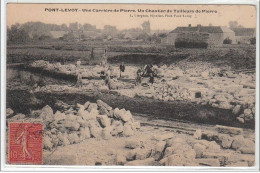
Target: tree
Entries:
(234, 24)
(64, 27)
(16, 34)
(252, 40)
(227, 41)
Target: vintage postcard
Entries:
(131, 85)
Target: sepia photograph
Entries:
(131, 85)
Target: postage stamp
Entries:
(25, 144)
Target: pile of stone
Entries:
(171, 93)
(220, 92)
(54, 88)
(73, 124)
(224, 147)
(200, 69)
(243, 111)
(54, 66)
(40, 63)
(91, 120)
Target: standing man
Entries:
(138, 77)
(122, 68)
(78, 64)
(107, 76)
(150, 73)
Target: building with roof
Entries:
(243, 35)
(210, 35)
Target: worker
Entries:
(79, 79)
(32, 81)
(107, 76)
(150, 73)
(138, 77)
(122, 68)
(111, 71)
(164, 87)
(151, 78)
(78, 64)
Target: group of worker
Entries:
(146, 71)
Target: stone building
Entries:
(212, 35)
(146, 26)
(243, 35)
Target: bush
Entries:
(190, 44)
(227, 41)
(252, 40)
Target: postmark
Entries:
(25, 143)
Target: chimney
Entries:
(199, 26)
(189, 25)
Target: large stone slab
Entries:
(229, 130)
(162, 137)
(132, 144)
(208, 162)
(146, 162)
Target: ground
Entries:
(203, 88)
(105, 152)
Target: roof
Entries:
(226, 29)
(207, 29)
(244, 31)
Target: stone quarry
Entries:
(201, 83)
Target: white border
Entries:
(5, 167)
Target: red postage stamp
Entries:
(25, 143)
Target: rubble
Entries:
(9, 112)
(75, 125)
(243, 145)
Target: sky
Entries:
(220, 15)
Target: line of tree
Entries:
(19, 33)
(37, 30)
